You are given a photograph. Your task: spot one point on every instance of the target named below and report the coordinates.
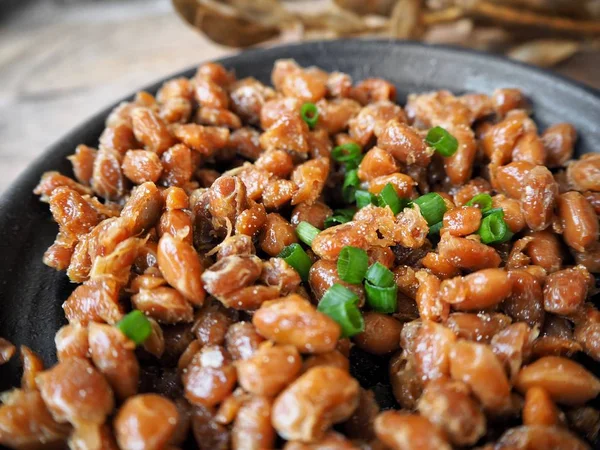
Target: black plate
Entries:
(31, 294)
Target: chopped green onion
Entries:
(382, 299)
(493, 211)
(339, 216)
(350, 186)
(296, 257)
(435, 229)
(389, 197)
(310, 114)
(482, 201)
(364, 198)
(432, 207)
(135, 326)
(307, 232)
(353, 163)
(341, 304)
(346, 152)
(352, 264)
(493, 229)
(379, 275)
(442, 141)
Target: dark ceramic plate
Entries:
(31, 294)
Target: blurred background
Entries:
(63, 60)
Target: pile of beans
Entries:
(193, 327)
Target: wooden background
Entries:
(62, 61)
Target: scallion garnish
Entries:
(493, 211)
(310, 114)
(350, 186)
(442, 141)
(296, 257)
(306, 232)
(389, 197)
(346, 152)
(352, 264)
(135, 326)
(435, 228)
(364, 198)
(341, 304)
(379, 275)
(482, 201)
(432, 207)
(382, 299)
(339, 216)
(493, 229)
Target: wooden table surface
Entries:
(61, 63)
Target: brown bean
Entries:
(32, 365)
(372, 90)
(181, 267)
(321, 397)
(402, 184)
(539, 409)
(204, 140)
(211, 324)
(242, 340)
(290, 132)
(477, 327)
(540, 437)
(150, 130)
(331, 440)
(545, 250)
(177, 166)
(269, 369)
(177, 223)
(250, 298)
(507, 99)
(459, 166)
(429, 345)
(230, 274)
(207, 432)
(274, 109)
(404, 144)
(371, 119)
(477, 366)
(293, 320)
(513, 216)
(277, 193)
(25, 423)
(376, 163)
(146, 421)
(428, 298)
(251, 220)
(252, 429)
(407, 384)
(276, 234)
(566, 381)
(439, 266)
(7, 351)
(143, 208)
(559, 141)
(381, 334)
(323, 274)
(579, 221)
(448, 405)
(94, 301)
(566, 290)
(75, 391)
(335, 114)
(526, 301)
(584, 173)
(479, 290)
(304, 86)
(72, 213)
(510, 179)
(164, 304)
(310, 178)
(113, 354)
(529, 147)
(467, 254)
(404, 431)
(141, 166)
(329, 243)
(278, 273)
(216, 73)
(538, 198)
(335, 359)
(276, 162)
(513, 345)
(83, 163)
(210, 377)
(500, 139)
(462, 221)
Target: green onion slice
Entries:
(493, 211)
(382, 299)
(389, 197)
(307, 232)
(310, 114)
(379, 275)
(482, 201)
(350, 186)
(341, 304)
(135, 326)
(352, 264)
(346, 152)
(432, 207)
(340, 216)
(296, 257)
(364, 198)
(493, 229)
(442, 141)
(435, 229)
